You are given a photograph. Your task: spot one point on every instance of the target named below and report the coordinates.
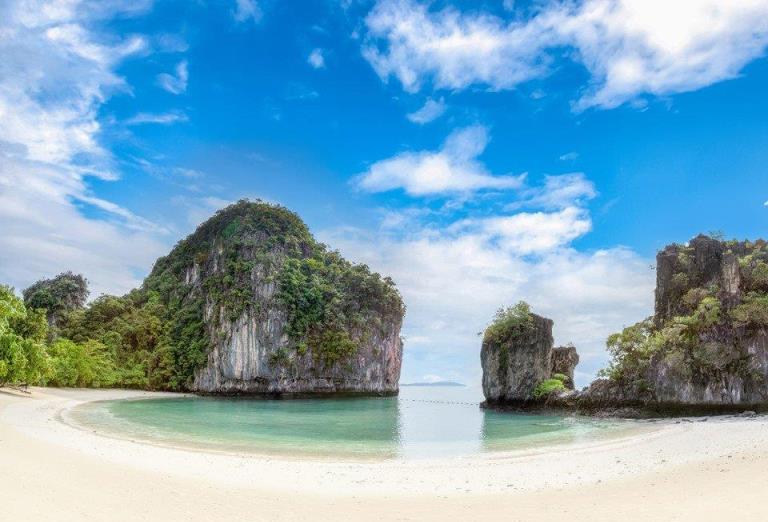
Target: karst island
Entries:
(383, 260)
(705, 349)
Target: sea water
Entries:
(422, 422)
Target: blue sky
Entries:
(478, 152)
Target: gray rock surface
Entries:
(737, 374)
(513, 368)
(250, 354)
(747, 386)
(564, 361)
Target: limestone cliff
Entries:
(707, 342)
(267, 309)
(564, 362)
(519, 361)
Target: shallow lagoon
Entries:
(423, 422)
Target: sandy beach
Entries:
(707, 469)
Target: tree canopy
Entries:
(65, 292)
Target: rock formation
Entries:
(707, 343)
(269, 310)
(564, 361)
(517, 356)
(57, 296)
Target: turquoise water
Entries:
(420, 423)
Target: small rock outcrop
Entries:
(517, 356)
(564, 361)
(58, 296)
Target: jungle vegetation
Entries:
(156, 336)
(702, 333)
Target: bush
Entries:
(706, 315)
(753, 311)
(703, 340)
(509, 323)
(330, 303)
(22, 352)
(756, 276)
(631, 351)
(548, 387)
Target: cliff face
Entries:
(564, 361)
(515, 365)
(252, 353)
(728, 388)
(707, 343)
(703, 263)
(519, 363)
(276, 312)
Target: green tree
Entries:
(631, 351)
(23, 358)
(57, 296)
(90, 364)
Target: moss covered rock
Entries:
(707, 342)
(254, 304)
(517, 358)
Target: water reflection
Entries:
(420, 423)
(438, 421)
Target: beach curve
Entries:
(85, 474)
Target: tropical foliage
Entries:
(22, 336)
(549, 387)
(62, 294)
(698, 337)
(157, 336)
(509, 323)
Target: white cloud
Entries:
(633, 46)
(630, 47)
(569, 156)
(189, 173)
(452, 169)
(559, 191)
(54, 75)
(430, 111)
(246, 10)
(455, 50)
(44, 233)
(530, 232)
(165, 118)
(47, 56)
(299, 91)
(175, 84)
(316, 59)
(170, 43)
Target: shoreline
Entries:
(635, 430)
(632, 410)
(35, 446)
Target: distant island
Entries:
(436, 383)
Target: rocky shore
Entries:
(704, 351)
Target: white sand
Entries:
(49, 470)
